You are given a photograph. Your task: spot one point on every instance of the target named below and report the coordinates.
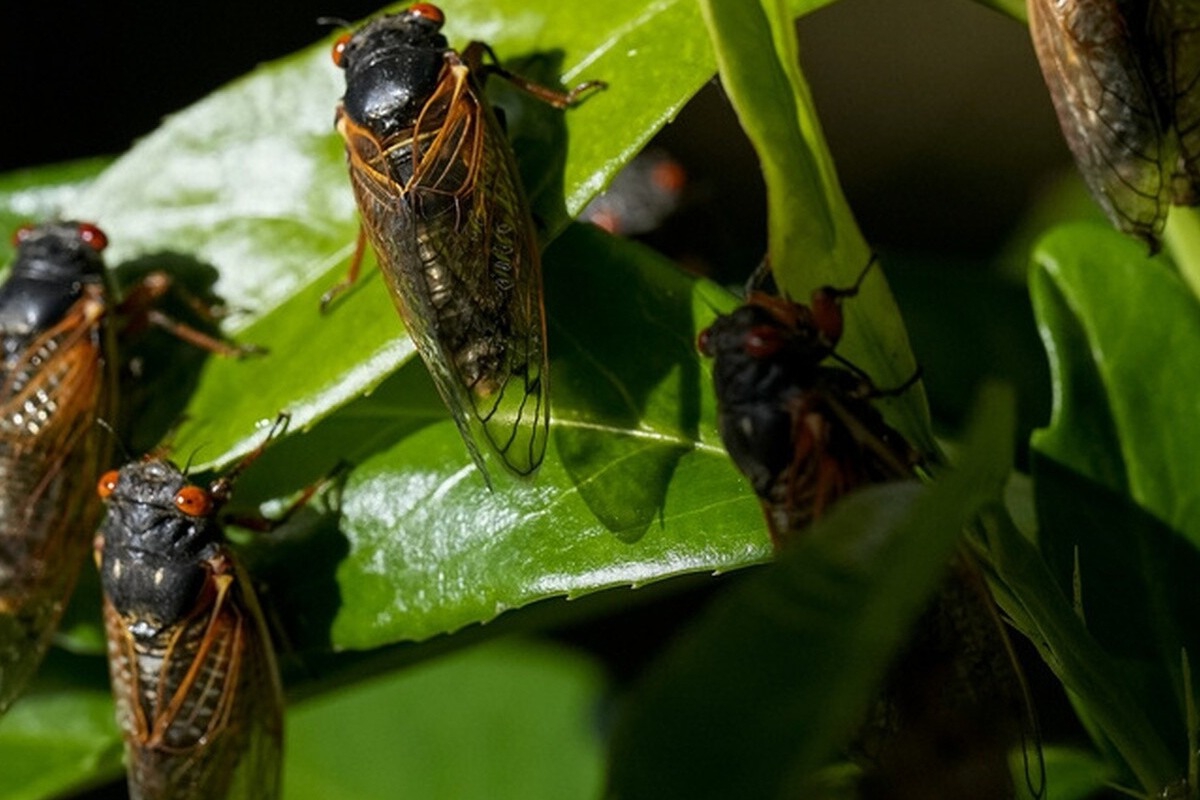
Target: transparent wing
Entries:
(200, 704)
(1107, 109)
(51, 450)
(447, 217)
(1176, 26)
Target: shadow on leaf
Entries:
(634, 410)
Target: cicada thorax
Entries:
(441, 203)
(193, 672)
(57, 378)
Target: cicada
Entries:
(442, 205)
(803, 431)
(799, 421)
(1125, 81)
(193, 672)
(58, 378)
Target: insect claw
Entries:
(248, 351)
(573, 95)
(332, 293)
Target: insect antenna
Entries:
(762, 279)
(222, 486)
(336, 22)
(126, 453)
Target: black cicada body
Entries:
(193, 673)
(800, 423)
(57, 379)
(803, 432)
(1125, 81)
(441, 203)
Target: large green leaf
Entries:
(1123, 333)
(636, 486)
(510, 719)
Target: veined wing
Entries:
(199, 704)
(50, 398)
(1107, 108)
(456, 245)
(1176, 31)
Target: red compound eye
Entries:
(428, 11)
(21, 234)
(339, 49)
(762, 341)
(92, 236)
(704, 342)
(193, 501)
(107, 484)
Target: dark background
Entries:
(85, 79)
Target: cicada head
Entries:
(156, 537)
(54, 262)
(392, 67)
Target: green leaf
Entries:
(779, 671)
(506, 720)
(1116, 492)
(1182, 236)
(1011, 8)
(56, 742)
(1109, 702)
(636, 487)
(1123, 334)
(813, 237)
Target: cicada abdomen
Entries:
(57, 379)
(1125, 82)
(442, 205)
(193, 672)
(800, 423)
